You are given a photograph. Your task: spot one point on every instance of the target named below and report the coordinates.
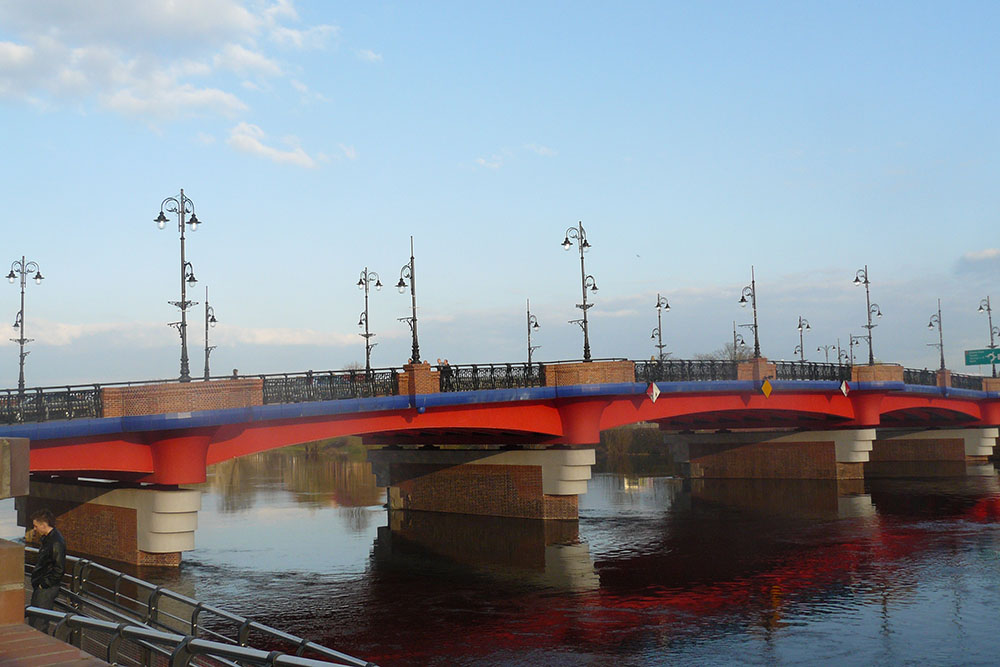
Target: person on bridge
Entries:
(49, 567)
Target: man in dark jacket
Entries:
(49, 567)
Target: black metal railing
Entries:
(100, 592)
(961, 381)
(47, 403)
(490, 376)
(922, 377)
(798, 370)
(329, 385)
(680, 370)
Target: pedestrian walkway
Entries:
(23, 646)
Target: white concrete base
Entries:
(978, 441)
(852, 445)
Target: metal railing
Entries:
(961, 381)
(921, 377)
(490, 376)
(101, 592)
(172, 649)
(329, 385)
(679, 370)
(798, 370)
(47, 403)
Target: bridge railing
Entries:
(680, 370)
(490, 376)
(329, 385)
(962, 381)
(797, 370)
(921, 377)
(47, 403)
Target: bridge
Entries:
(509, 439)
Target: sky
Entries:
(691, 140)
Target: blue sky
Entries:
(692, 140)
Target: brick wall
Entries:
(592, 372)
(877, 373)
(158, 399)
(950, 449)
(756, 369)
(418, 379)
(11, 583)
(768, 460)
(488, 490)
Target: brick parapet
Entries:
(756, 369)
(154, 399)
(991, 384)
(943, 377)
(877, 373)
(418, 379)
(589, 372)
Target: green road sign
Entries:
(979, 357)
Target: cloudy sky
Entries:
(693, 140)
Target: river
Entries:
(656, 571)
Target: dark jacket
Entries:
(51, 561)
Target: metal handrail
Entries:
(808, 370)
(921, 377)
(472, 377)
(681, 370)
(185, 647)
(85, 591)
(962, 381)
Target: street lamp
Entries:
(21, 269)
(532, 324)
(182, 206)
(367, 279)
(408, 272)
(826, 349)
(580, 234)
(842, 355)
(861, 278)
(209, 321)
(751, 291)
(984, 306)
(936, 320)
(738, 342)
(803, 325)
(856, 340)
(661, 305)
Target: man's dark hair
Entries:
(44, 515)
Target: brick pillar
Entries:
(136, 525)
(877, 373)
(527, 484)
(758, 369)
(13, 483)
(834, 455)
(943, 377)
(939, 453)
(589, 372)
(418, 379)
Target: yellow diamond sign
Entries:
(766, 389)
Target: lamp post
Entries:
(936, 320)
(842, 355)
(738, 342)
(861, 278)
(580, 234)
(408, 272)
(984, 306)
(21, 269)
(803, 326)
(182, 206)
(661, 305)
(532, 324)
(751, 291)
(209, 322)
(367, 279)
(856, 340)
(826, 349)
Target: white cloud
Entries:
(348, 151)
(369, 56)
(315, 37)
(205, 138)
(286, 336)
(538, 149)
(493, 162)
(250, 139)
(982, 255)
(243, 61)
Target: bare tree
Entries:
(727, 353)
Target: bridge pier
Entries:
(834, 455)
(517, 483)
(140, 525)
(937, 453)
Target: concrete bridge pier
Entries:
(517, 483)
(834, 455)
(936, 453)
(139, 525)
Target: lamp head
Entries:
(981, 309)
(566, 243)
(857, 280)
(401, 285)
(11, 277)
(378, 284)
(361, 283)
(39, 277)
(743, 300)
(161, 220)
(194, 222)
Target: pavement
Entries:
(23, 646)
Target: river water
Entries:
(656, 571)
